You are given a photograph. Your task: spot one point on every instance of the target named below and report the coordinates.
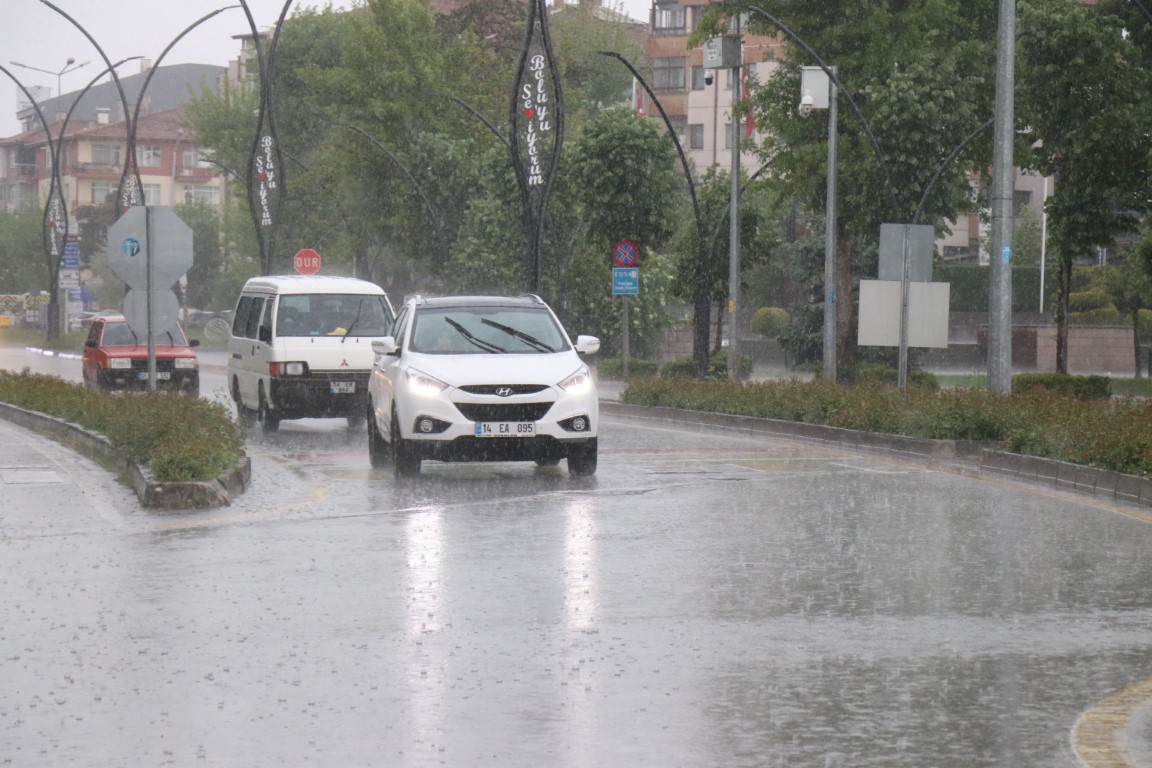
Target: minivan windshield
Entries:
(486, 330)
(332, 314)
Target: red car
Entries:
(116, 358)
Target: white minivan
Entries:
(301, 347)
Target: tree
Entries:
(1130, 286)
(22, 266)
(919, 74)
(1087, 96)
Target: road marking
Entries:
(1099, 737)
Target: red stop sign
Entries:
(307, 261)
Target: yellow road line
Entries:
(1099, 736)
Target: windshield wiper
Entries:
(485, 345)
(515, 333)
(351, 325)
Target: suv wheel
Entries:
(582, 460)
(379, 453)
(405, 461)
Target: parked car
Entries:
(116, 358)
(481, 378)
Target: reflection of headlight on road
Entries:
(423, 385)
(578, 383)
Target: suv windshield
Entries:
(328, 314)
(486, 330)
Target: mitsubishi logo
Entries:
(344, 363)
(503, 391)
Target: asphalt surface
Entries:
(54, 503)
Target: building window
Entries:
(670, 20)
(102, 191)
(696, 136)
(194, 158)
(202, 194)
(1022, 199)
(697, 77)
(668, 74)
(151, 194)
(148, 156)
(106, 154)
(728, 136)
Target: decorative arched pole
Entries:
(535, 110)
(55, 219)
(131, 188)
(702, 304)
(125, 195)
(264, 179)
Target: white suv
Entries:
(481, 378)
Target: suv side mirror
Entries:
(587, 345)
(385, 346)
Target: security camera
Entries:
(708, 77)
(806, 104)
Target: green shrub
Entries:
(1113, 433)
(770, 322)
(878, 373)
(1097, 387)
(177, 437)
(685, 367)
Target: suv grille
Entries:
(504, 411)
(517, 389)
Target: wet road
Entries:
(704, 600)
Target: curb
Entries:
(175, 496)
(1129, 489)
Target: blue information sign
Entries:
(625, 281)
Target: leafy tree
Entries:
(22, 265)
(1087, 96)
(919, 73)
(1130, 287)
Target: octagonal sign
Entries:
(128, 247)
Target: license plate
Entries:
(160, 375)
(343, 387)
(505, 428)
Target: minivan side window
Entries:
(240, 321)
(254, 317)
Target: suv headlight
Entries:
(579, 382)
(423, 385)
(119, 362)
(186, 362)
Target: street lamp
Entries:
(819, 92)
(69, 66)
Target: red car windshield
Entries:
(120, 335)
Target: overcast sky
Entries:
(33, 34)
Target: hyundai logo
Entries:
(503, 391)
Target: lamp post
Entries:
(69, 66)
(819, 92)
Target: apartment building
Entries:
(699, 107)
(93, 147)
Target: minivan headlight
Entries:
(579, 382)
(423, 385)
(287, 369)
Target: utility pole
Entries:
(1003, 203)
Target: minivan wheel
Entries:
(582, 460)
(405, 461)
(379, 454)
(268, 421)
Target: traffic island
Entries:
(166, 496)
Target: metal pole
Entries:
(625, 331)
(1043, 243)
(830, 240)
(149, 237)
(734, 229)
(902, 368)
(1003, 185)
